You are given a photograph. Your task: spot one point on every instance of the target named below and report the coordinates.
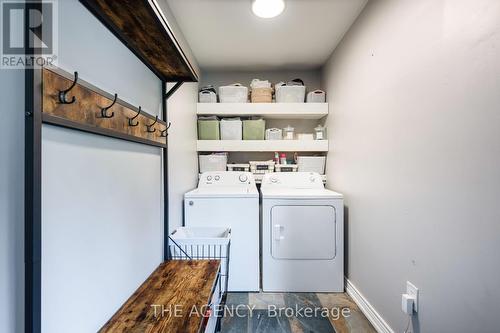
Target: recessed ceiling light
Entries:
(268, 8)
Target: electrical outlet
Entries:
(412, 291)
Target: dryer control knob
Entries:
(243, 178)
(209, 178)
(217, 177)
(274, 180)
(312, 179)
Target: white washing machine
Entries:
(302, 234)
(230, 199)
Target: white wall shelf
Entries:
(262, 145)
(266, 110)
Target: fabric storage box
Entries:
(235, 93)
(290, 94)
(244, 167)
(207, 96)
(260, 167)
(286, 168)
(274, 134)
(316, 96)
(254, 129)
(213, 162)
(262, 95)
(231, 129)
(312, 164)
(208, 128)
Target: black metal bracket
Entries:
(148, 127)
(173, 90)
(131, 120)
(63, 98)
(104, 111)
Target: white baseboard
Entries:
(368, 310)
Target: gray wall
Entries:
(415, 125)
(11, 201)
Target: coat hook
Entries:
(104, 111)
(130, 120)
(148, 127)
(164, 132)
(62, 93)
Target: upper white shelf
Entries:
(266, 110)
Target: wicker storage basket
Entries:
(262, 95)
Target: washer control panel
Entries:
(226, 178)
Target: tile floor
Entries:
(260, 313)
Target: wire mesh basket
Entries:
(203, 243)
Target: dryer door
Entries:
(303, 232)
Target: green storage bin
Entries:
(208, 129)
(254, 129)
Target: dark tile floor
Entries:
(293, 313)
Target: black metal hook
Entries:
(130, 120)
(148, 127)
(164, 132)
(62, 93)
(104, 111)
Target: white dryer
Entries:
(230, 199)
(302, 234)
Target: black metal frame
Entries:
(33, 182)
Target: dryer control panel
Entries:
(298, 180)
(226, 179)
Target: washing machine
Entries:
(230, 199)
(302, 234)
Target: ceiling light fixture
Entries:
(268, 8)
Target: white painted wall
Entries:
(101, 197)
(182, 155)
(415, 126)
(11, 201)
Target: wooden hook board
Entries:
(85, 113)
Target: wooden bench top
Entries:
(175, 285)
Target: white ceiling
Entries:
(225, 34)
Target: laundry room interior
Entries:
(268, 166)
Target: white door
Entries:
(303, 232)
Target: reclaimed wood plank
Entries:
(86, 110)
(176, 285)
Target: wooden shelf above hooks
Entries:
(87, 108)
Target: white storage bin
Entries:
(261, 167)
(231, 129)
(311, 164)
(207, 96)
(235, 93)
(213, 162)
(286, 167)
(274, 134)
(290, 94)
(244, 167)
(316, 96)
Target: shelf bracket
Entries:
(172, 90)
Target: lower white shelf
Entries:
(263, 145)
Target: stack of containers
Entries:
(261, 91)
